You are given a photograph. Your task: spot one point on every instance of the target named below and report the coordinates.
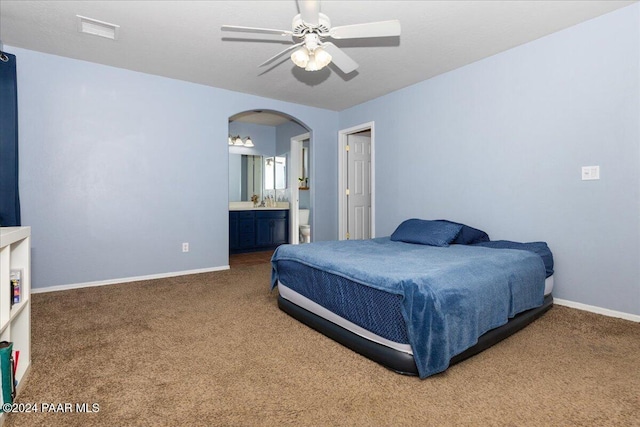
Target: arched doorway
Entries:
(270, 168)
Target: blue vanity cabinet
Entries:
(234, 238)
(242, 230)
(272, 228)
(246, 230)
(254, 230)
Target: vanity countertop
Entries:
(258, 209)
(248, 206)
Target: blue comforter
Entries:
(450, 295)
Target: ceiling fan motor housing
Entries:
(300, 28)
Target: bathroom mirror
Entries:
(275, 173)
(245, 177)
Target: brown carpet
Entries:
(250, 258)
(214, 350)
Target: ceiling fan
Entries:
(309, 30)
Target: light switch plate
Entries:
(590, 173)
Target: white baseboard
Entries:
(126, 279)
(598, 310)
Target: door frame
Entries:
(294, 197)
(342, 181)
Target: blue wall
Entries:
(499, 144)
(117, 168)
(284, 133)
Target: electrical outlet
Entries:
(185, 247)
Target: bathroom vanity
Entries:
(258, 229)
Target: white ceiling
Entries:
(183, 40)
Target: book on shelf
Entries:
(16, 285)
(16, 357)
(7, 379)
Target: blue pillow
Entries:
(424, 232)
(468, 235)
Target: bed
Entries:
(430, 295)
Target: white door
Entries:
(359, 187)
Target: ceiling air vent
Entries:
(97, 28)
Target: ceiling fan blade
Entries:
(309, 11)
(371, 29)
(339, 58)
(276, 56)
(256, 30)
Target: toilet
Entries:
(305, 228)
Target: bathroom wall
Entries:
(284, 133)
(305, 195)
(263, 137)
(264, 140)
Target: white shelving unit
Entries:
(15, 319)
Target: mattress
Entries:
(432, 302)
(377, 317)
(399, 361)
(315, 308)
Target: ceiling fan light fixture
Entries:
(312, 65)
(322, 57)
(300, 57)
(318, 60)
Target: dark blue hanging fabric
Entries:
(9, 197)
